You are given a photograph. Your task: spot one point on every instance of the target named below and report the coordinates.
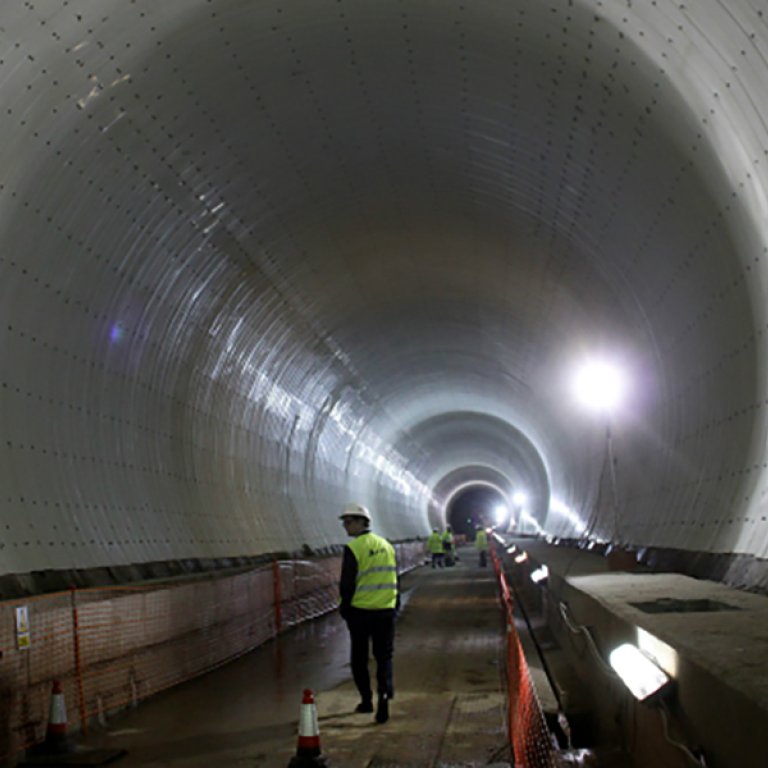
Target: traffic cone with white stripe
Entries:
(308, 751)
(56, 737)
(58, 748)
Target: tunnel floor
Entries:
(449, 706)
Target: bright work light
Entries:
(599, 386)
(540, 574)
(637, 671)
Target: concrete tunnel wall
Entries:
(252, 253)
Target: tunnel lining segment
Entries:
(422, 213)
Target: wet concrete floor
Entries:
(449, 706)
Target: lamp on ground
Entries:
(638, 672)
(540, 575)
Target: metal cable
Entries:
(581, 629)
(698, 760)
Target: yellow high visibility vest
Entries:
(435, 543)
(481, 539)
(376, 586)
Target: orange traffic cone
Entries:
(57, 741)
(56, 737)
(308, 751)
(58, 749)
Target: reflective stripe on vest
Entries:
(376, 586)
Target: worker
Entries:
(449, 547)
(370, 599)
(481, 545)
(435, 548)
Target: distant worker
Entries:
(449, 546)
(370, 599)
(481, 545)
(435, 548)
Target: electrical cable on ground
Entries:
(697, 759)
(580, 629)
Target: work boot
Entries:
(366, 705)
(382, 710)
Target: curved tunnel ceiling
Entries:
(249, 250)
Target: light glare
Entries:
(557, 507)
(528, 519)
(638, 672)
(600, 386)
(540, 574)
(661, 653)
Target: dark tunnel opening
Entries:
(477, 506)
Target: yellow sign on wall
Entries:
(23, 633)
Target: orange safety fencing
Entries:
(112, 647)
(529, 735)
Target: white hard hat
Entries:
(356, 510)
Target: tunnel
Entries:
(258, 260)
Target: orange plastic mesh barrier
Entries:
(112, 647)
(529, 735)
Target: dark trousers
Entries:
(378, 627)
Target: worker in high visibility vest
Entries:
(370, 599)
(449, 546)
(436, 548)
(481, 545)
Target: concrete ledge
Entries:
(716, 657)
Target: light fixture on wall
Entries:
(644, 678)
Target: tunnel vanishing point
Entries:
(258, 259)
